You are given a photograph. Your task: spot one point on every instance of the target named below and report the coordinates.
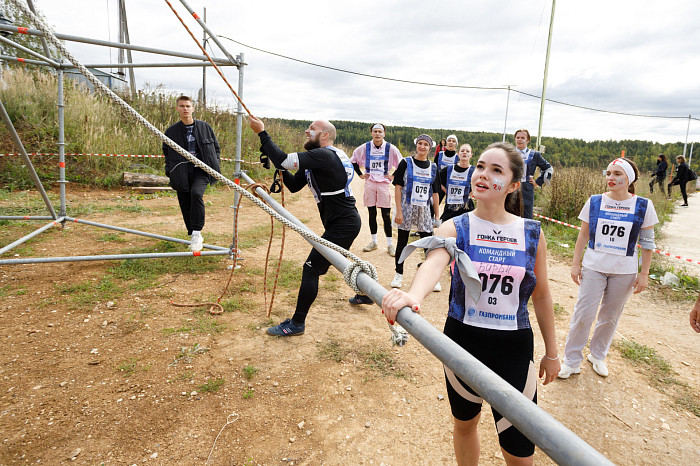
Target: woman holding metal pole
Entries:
(510, 255)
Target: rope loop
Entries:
(353, 270)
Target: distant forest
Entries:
(558, 151)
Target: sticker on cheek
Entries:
(620, 181)
(498, 184)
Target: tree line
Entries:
(558, 151)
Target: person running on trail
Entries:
(378, 158)
(456, 183)
(327, 171)
(446, 157)
(416, 183)
(188, 181)
(488, 314)
(612, 225)
(532, 160)
(681, 179)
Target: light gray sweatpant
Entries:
(615, 290)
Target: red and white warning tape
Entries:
(123, 155)
(658, 251)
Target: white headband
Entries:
(626, 167)
(378, 126)
(452, 136)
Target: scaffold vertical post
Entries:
(239, 142)
(61, 142)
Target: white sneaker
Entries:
(370, 247)
(438, 287)
(196, 244)
(397, 281)
(599, 366)
(566, 371)
(391, 249)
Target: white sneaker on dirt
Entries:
(370, 247)
(438, 287)
(599, 366)
(196, 244)
(397, 281)
(391, 249)
(566, 371)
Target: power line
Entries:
(453, 86)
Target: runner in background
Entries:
(532, 160)
(416, 183)
(456, 184)
(378, 158)
(446, 157)
(681, 179)
(509, 255)
(612, 225)
(660, 174)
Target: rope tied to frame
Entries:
(353, 270)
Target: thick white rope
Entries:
(365, 266)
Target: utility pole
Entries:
(204, 68)
(685, 145)
(124, 39)
(505, 123)
(544, 81)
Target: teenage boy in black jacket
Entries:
(189, 181)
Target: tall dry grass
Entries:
(93, 124)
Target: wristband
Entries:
(552, 359)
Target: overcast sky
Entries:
(626, 56)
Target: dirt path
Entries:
(109, 377)
(681, 232)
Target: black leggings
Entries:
(401, 243)
(659, 180)
(683, 191)
(386, 217)
(317, 265)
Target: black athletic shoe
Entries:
(360, 299)
(286, 329)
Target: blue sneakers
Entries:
(286, 329)
(360, 299)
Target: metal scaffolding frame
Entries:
(558, 442)
(58, 64)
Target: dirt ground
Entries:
(133, 379)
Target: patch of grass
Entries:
(112, 238)
(85, 294)
(688, 286)
(5, 291)
(188, 354)
(256, 236)
(211, 385)
(559, 310)
(383, 363)
(561, 239)
(21, 292)
(186, 376)
(330, 281)
(203, 324)
(332, 350)
(132, 208)
(128, 367)
(289, 274)
(248, 393)
(661, 373)
(250, 371)
(237, 303)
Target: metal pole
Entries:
(204, 69)
(26, 61)
(690, 159)
(142, 233)
(31, 235)
(29, 51)
(211, 34)
(61, 144)
(138, 48)
(144, 65)
(25, 217)
(27, 161)
(686, 135)
(558, 442)
(44, 44)
(239, 141)
(124, 37)
(505, 123)
(544, 81)
(155, 255)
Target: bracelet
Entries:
(552, 359)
